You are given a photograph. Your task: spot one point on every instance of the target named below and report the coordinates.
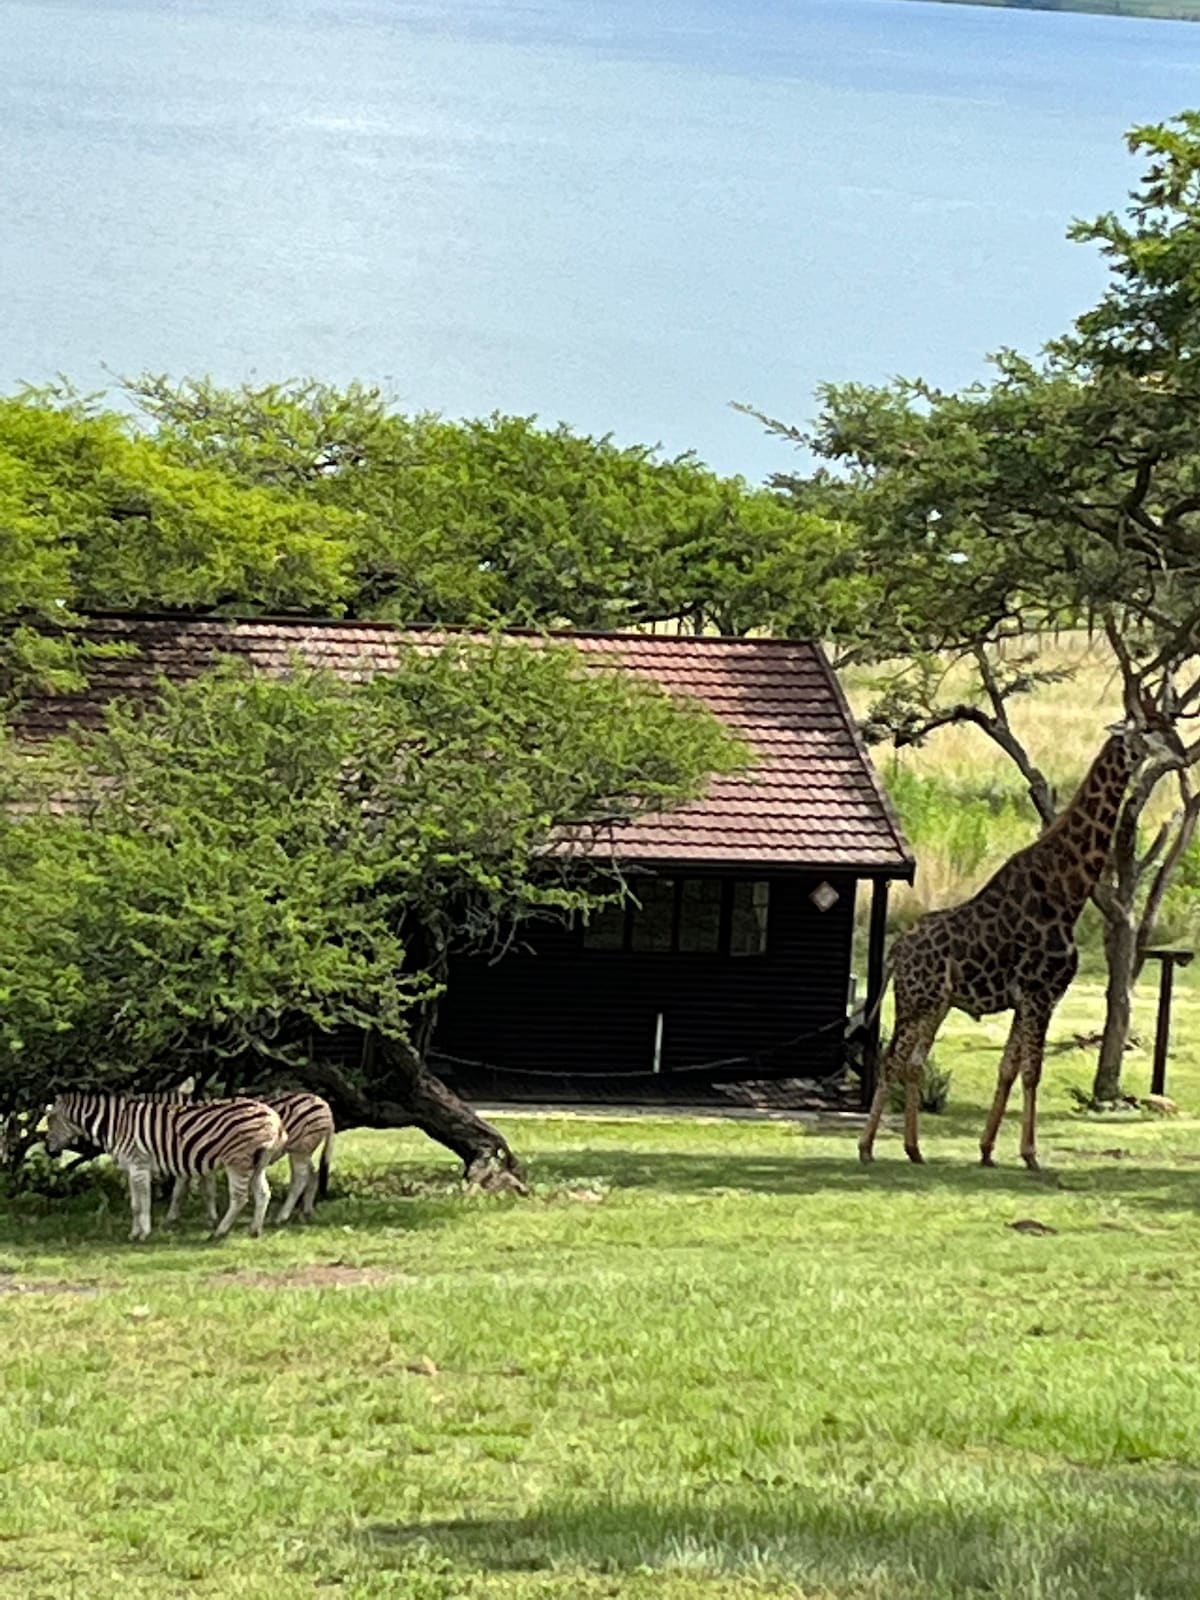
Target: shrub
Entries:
(935, 1089)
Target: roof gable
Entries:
(812, 800)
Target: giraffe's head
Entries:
(1148, 732)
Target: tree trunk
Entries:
(407, 1095)
(1120, 949)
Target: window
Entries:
(606, 930)
(748, 924)
(700, 916)
(653, 921)
(684, 916)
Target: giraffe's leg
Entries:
(913, 1066)
(1005, 1078)
(905, 1056)
(1033, 1046)
(912, 1098)
(866, 1139)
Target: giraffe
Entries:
(1012, 946)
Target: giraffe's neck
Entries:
(1073, 852)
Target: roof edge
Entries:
(308, 620)
(860, 744)
(868, 873)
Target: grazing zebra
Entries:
(308, 1123)
(148, 1137)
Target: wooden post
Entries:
(875, 952)
(1168, 960)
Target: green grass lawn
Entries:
(706, 1359)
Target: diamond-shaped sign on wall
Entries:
(824, 896)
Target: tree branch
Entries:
(1189, 817)
(1181, 508)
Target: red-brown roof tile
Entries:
(812, 799)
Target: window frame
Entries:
(722, 951)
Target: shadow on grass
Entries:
(694, 1172)
(97, 1216)
(1074, 1535)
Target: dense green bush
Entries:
(257, 857)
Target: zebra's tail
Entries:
(263, 1158)
(323, 1168)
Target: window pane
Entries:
(654, 918)
(748, 929)
(700, 915)
(606, 929)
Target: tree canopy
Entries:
(310, 498)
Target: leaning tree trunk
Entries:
(405, 1094)
(1121, 959)
(1116, 898)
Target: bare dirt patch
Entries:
(329, 1275)
(11, 1284)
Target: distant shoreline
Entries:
(1152, 10)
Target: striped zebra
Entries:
(151, 1137)
(308, 1124)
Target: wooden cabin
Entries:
(732, 958)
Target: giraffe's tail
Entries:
(869, 1016)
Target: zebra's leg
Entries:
(261, 1190)
(239, 1188)
(308, 1204)
(179, 1196)
(209, 1183)
(303, 1174)
(139, 1201)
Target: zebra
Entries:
(308, 1123)
(148, 1137)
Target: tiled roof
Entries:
(811, 800)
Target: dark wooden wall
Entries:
(556, 1007)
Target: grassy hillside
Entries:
(964, 806)
(1164, 10)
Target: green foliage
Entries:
(1179, 920)
(499, 520)
(254, 857)
(308, 497)
(962, 820)
(93, 516)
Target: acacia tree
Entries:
(254, 862)
(310, 498)
(94, 516)
(1066, 489)
(497, 519)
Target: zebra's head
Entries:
(64, 1124)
